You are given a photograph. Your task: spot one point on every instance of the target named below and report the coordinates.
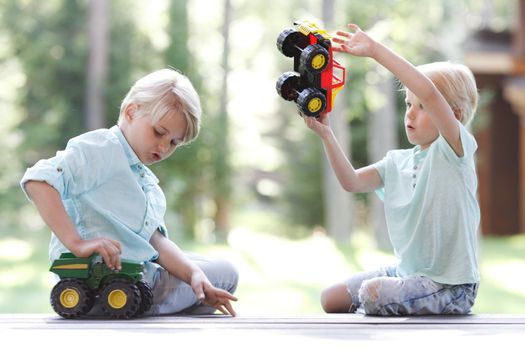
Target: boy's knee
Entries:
(370, 296)
(376, 293)
(230, 275)
(369, 291)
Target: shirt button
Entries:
(142, 175)
(59, 169)
(413, 176)
(415, 167)
(146, 223)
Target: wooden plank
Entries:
(329, 319)
(48, 331)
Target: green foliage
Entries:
(47, 40)
(51, 46)
(302, 198)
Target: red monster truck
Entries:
(313, 84)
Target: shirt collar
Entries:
(419, 154)
(130, 154)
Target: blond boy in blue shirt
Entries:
(98, 196)
(429, 193)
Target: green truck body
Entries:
(123, 293)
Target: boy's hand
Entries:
(109, 250)
(320, 125)
(357, 43)
(212, 296)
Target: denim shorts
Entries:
(383, 293)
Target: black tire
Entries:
(146, 295)
(290, 42)
(71, 298)
(311, 102)
(314, 59)
(287, 86)
(120, 298)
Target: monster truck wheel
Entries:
(290, 42)
(311, 102)
(287, 86)
(314, 59)
(71, 298)
(146, 295)
(120, 298)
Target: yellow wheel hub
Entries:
(117, 299)
(318, 61)
(315, 104)
(69, 298)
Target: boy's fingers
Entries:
(200, 293)
(353, 26)
(116, 244)
(230, 309)
(225, 294)
(116, 262)
(106, 257)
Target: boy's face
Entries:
(153, 141)
(418, 125)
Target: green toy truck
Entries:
(123, 294)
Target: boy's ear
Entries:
(130, 111)
(457, 114)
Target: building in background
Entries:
(498, 62)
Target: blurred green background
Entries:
(253, 187)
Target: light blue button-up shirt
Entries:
(106, 190)
(431, 210)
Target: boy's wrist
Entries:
(375, 49)
(327, 134)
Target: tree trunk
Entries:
(223, 187)
(338, 203)
(382, 137)
(97, 67)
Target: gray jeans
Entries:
(383, 293)
(171, 295)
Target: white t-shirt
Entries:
(431, 209)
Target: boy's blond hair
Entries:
(457, 85)
(163, 93)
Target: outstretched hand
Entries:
(319, 125)
(357, 43)
(212, 296)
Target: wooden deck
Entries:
(264, 332)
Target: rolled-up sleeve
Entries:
(380, 167)
(50, 171)
(77, 169)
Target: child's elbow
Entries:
(349, 187)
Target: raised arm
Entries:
(359, 43)
(362, 180)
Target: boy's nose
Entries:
(164, 147)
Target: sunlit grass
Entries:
(277, 275)
(13, 249)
